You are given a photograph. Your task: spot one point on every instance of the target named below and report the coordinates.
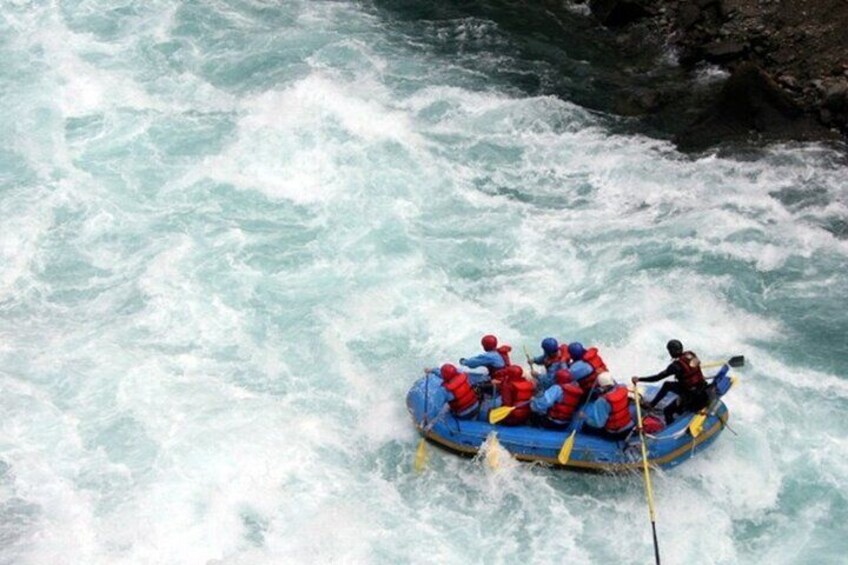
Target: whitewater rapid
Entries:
(234, 232)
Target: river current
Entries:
(234, 232)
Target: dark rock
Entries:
(618, 13)
(836, 96)
(788, 81)
(725, 51)
(750, 102)
(825, 116)
(638, 103)
(688, 15)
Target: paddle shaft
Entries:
(648, 491)
(736, 361)
(656, 545)
(421, 452)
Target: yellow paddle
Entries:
(565, 450)
(501, 412)
(696, 426)
(421, 456)
(735, 361)
(648, 492)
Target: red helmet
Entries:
(489, 342)
(448, 371)
(515, 371)
(563, 377)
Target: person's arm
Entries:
(672, 370)
(542, 403)
(597, 413)
(580, 370)
(545, 381)
(489, 358)
(475, 379)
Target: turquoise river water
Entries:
(233, 233)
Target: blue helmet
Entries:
(576, 350)
(550, 346)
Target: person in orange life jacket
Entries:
(557, 405)
(493, 358)
(459, 393)
(611, 415)
(689, 384)
(511, 390)
(554, 357)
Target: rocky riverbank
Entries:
(786, 65)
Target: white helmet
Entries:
(605, 380)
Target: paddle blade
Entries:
(737, 361)
(565, 451)
(499, 413)
(493, 452)
(421, 456)
(697, 424)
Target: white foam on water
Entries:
(203, 397)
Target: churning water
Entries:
(233, 233)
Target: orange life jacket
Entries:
(515, 391)
(619, 417)
(464, 395)
(693, 378)
(564, 409)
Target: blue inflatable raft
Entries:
(667, 448)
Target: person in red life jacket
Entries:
(556, 407)
(689, 384)
(590, 357)
(461, 397)
(612, 414)
(514, 390)
(554, 357)
(493, 358)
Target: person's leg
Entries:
(671, 410)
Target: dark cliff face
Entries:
(699, 72)
(787, 63)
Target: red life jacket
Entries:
(693, 378)
(619, 417)
(515, 391)
(591, 357)
(564, 355)
(561, 356)
(503, 351)
(564, 409)
(587, 383)
(464, 395)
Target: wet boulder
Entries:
(618, 13)
(749, 106)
